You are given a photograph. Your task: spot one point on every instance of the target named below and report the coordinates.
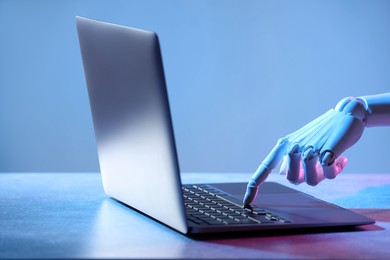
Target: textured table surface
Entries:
(45, 215)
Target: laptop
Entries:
(137, 153)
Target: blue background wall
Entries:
(240, 75)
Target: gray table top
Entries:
(67, 215)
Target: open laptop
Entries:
(137, 154)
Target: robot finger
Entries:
(295, 172)
(312, 170)
(265, 168)
(331, 171)
(270, 162)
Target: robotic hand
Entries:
(312, 153)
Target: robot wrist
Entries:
(356, 107)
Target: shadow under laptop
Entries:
(285, 232)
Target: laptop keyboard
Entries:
(208, 206)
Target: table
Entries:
(67, 215)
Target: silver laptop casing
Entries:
(131, 117)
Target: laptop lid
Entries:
(132, 122)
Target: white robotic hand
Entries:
(314, 149)
(313, 152)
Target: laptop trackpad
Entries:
(291, 204)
